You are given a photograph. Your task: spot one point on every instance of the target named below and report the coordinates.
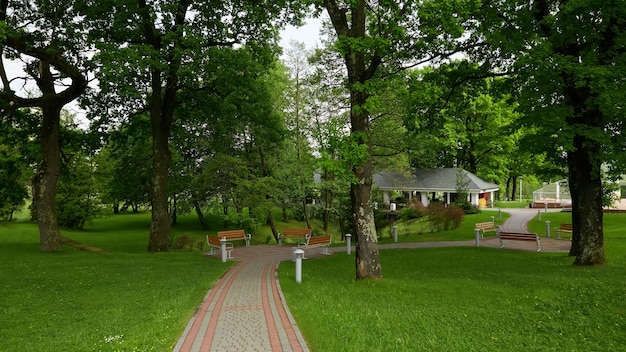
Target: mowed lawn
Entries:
(128, 300)
(465, 299)
(438, 299)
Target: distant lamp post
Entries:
(520, 188)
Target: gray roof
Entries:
(433, 180)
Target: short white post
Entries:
(548, 228)
(493, 218)
(349, 243)
(299, 255)
(545, 206)
(499, 214)
(477, 236)
(395, 233)
(539, 215)
(224, 255)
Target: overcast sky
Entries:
(307, 34)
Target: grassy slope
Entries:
(129, 300)
(464, 299)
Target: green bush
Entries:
(442, 218)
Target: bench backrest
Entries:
(232, 234)
(519, 236)
(318, 240)
(483, 225)
(213, 240)
(296, 232)
(566, 227)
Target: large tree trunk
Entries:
(160, 226)
(514, 188)
(361, 68)
(367, 255)
(161, 113)
(586, 190)
(45, 181)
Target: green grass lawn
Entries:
(438, 299)
(464, 299)
(75, 300)
(419, 230)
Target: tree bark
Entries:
(164, 86)
(160, 225)
(161, 115)
(45, 181)
(586, 191)
(360, 70)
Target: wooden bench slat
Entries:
(234, 235)
(293, 233)
(318, 241)
(566, 228)
(486, 227)
(215, 243)
(519, 236)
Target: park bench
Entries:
(519, 236)
(235, 235)
(215, 244)
(294, 233)
(322, 241)
(567, 228)
(486, 227)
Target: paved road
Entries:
(245, 309)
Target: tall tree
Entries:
(48, 38)
(373, 39)
(153, 49)
(298, 120)
(569, 58)
(464, 118)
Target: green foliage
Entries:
(241, 220)
(17, 156)
(13, 172)
(76, 201)
(443, 218)
(460, 121)
(123, 166)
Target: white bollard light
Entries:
(349, 243)
(224, 255)
(493, 218)
(477, 236)
(499, 214)
(548, 228)
(545, 205)
(299, 255)
(395, 234)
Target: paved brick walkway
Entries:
(245, 310)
